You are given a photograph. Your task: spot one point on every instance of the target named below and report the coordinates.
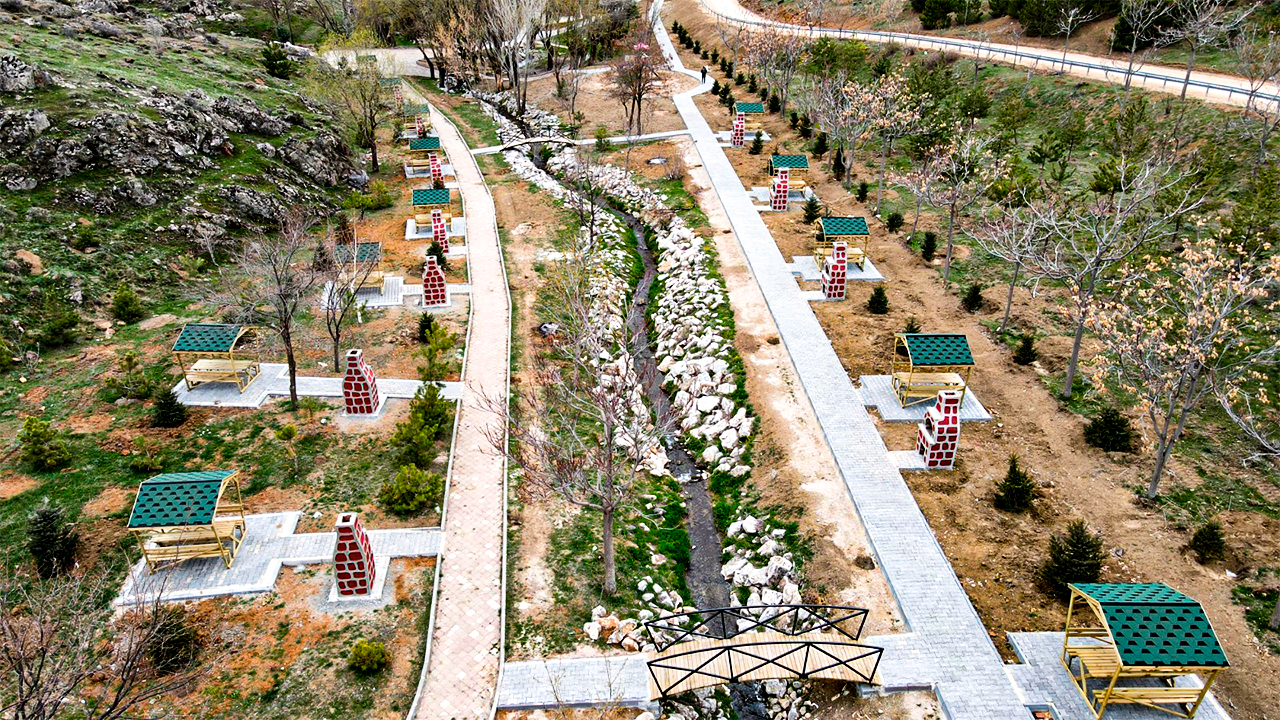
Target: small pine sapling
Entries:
(820, 145)
(838, 166)
(878, 303)
(929, 246)
(1110, 431)
(1075, 557)
(864, 189)
(757, 145)
(1026, 352)
(51, 540)
(168, 411)
(794, 120)
(894, 222)
(1208, 543)
(42, 446)
(812, 210)
(1016, 490)
(972, 300)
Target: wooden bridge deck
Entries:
(760, 656)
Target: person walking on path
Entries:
(704, 73)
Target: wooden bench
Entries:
(1152, 697)
(856, 256)
(1097, 661)
(924, 386)
(240, 372)
(424, 220)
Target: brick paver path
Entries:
(462, 669)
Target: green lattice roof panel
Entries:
(425, 143)
(938, 349)
(389, 82)
(423, 109)
(178, 499)
(1154, 625)
(794, 162)
(749, 108)
(364, 252)
(207, 337)
(431, 196)
(844, 226)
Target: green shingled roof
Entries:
(789, 161)
(844, 226)
(1154, 625)
(938, 349)
(431, 197)
(423, 109)
(178, 499)
(749, 108)
(426, 143)
(207, 337)
(389, 82)
(364, 252)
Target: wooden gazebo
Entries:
(749, 108)
(187, 515)
(852, 230)
(1145, 634)
(354, 259)
(925, 364)
(794, 163)
(425, 144)
(206, 352)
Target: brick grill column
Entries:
(359, 385)
(353, 569)
(835, 272)
(938, 437)
(422, 125)
(739, 135)
(439, 230)
(433, 290)
(437, 173)
(780, 189)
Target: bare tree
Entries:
(582, 431)
(510, 28)
(339, 299)
(776, 55)
(1010, 235)
(1070, 18)
(354, 92)
(1142, 17)
(1201, 24)
(1258, 60)
(731, 36)
(1086, 240)
(964, 170)
(1180, 326)
(922, 176)
(60, 647)
(272, 282)
(635, 79)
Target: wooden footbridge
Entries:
(759, 642)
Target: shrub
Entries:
(602, 138)
(126, 307)
(972, 300)
(174, 642)
(276, 61)
(929, 246)
(1110, 431)
(812, 210)
(51, 540)
(144, 459)
(411, 491)
(368, 657)
(168, 412)
(936, 14)
(998, 8)
(437, 252)
(430, 419)
(753, 86)
(1208, 543)
(42, 446)
(131, 382)
(806, 127)
(864, 189)
(1075, 557)
(1016, 490)
(757, 145)
(60, 327)
(820, 145)
(912, 326)
(740, 79)
(878, 303)
(894, 222)
(380, 196)
(1026, 352)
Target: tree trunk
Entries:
(915, 223)
(1075, 359)
(337, 343)
(610, 571)
(1274, 623)
(951, 236)
(884, 158)
(1008, 300)
(1182, 100)
(373, 150)
(1163, 451)
(293, 368)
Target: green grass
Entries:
(1258, 603)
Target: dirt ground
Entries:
(598, 108)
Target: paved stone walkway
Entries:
(618, 140)
(269, 544)
(949, 650)
(464, 647)
(619, 681)
(274, 382)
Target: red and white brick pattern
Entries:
(781, 183)
(439, 230)
(353, 568)
(359, 385)
(835, 272)
(437, 172)
(739, 135)
(434, 293)
(938, 437)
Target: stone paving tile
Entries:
(269, 544)
(877, 392)
(575, 682)
(274, 382)
(462, 669)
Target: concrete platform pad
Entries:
(274, 382)
(806, 267)
(906, 460)
(726, 137)
(877, 392)
(269, 544)
(457, 228)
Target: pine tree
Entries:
(812, 210)
(436, 251)
(820, 145)
(716, 88)
(806, 127)
(878, 303)
(1208, 543)
(1016, 491)
(168, 412)
(794, 120)
(51, 540)
(1110, 431)
(757, 145)
(775, 103)
(753, 86)
(1026, 352)
(42, 446)
(912, 326)
(936, 14)
(126, 306)
(276, 61)
(929, 246)
(972, 300)
(1075, 557)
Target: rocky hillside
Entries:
(132, 140)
